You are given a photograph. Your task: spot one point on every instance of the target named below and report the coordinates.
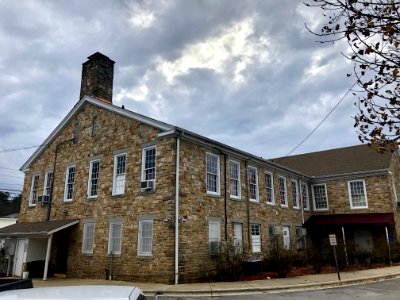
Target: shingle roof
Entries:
(36, 228)
(360, 158)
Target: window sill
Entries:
(67, 201)
(254, 201)
(87, 254)
(118, 195)
(143, 256)
(359, 207)
(236, 198)
(114, 255)
(213, 195)
(91, 198)
(321, 209)
(147, 192)
(32, 206)
(296, 207)
(270, 203)
(284, 206)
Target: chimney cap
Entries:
(99, 55)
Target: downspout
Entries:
(248, 207)
(225, 202)
(177, 212)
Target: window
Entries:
(269, 186)
(238, 236)
(48, 180)
(93, 183)
(234, 176)
(272, 232)
(304, 195)
(299, 238)
(256, 238)
(149, 164)
(253, 184)
(320, 197)
(94, 126)
(119, 174)
(145, 241)
(69, 183)
(212, 165)
(358, 194)
(295, 194)
(214, 236)
(88, 236)
(282, 191)
(286, 237)
(114, 238)
(34, 190)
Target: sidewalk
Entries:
(242, 287)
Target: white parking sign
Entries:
(332, 239)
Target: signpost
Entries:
(333, 242)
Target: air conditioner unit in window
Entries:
(44, 200)
(301, 232)
(214, 248)
(147, 185)
(277, 230)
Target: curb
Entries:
(268, 290)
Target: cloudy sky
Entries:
(245, 73)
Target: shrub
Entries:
(229, 261)
(280, 262)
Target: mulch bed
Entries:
(308, 270)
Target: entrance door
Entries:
(286, 237)
(19, 256)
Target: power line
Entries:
(19, 177)
(323, 120)
(10, 169)
(18, 149)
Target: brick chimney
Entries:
(97, 77)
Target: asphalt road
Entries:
(385, 290)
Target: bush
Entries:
(280, 262)
(229, 261)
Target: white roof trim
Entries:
(126, 113)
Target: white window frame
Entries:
(218, 176)
(271, 189)
(286, 241)
(238, 236)
(237, 180)
(214, 232)
(352, 206)
(66, 199)
(118, 177)
(90, 180)
(307, 196)
(140, 251)
(111, 238)
(285, 204)
(47, 183)
(257, 199)
(33, 194)
(256, 242)
(326, 196)
(88, 241)
(295, 198)
(143, 173)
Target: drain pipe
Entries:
(177, 212)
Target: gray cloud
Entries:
(246, 73)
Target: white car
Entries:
(84, 292)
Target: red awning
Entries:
(380, 219)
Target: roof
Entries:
(355, 159)
(165, 129)
(36, 228)
(382, 219)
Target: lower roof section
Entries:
(383, 219)
(30, 229)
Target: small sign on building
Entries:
(332, 239)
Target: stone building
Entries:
(115, 194)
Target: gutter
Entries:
(177, 212)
